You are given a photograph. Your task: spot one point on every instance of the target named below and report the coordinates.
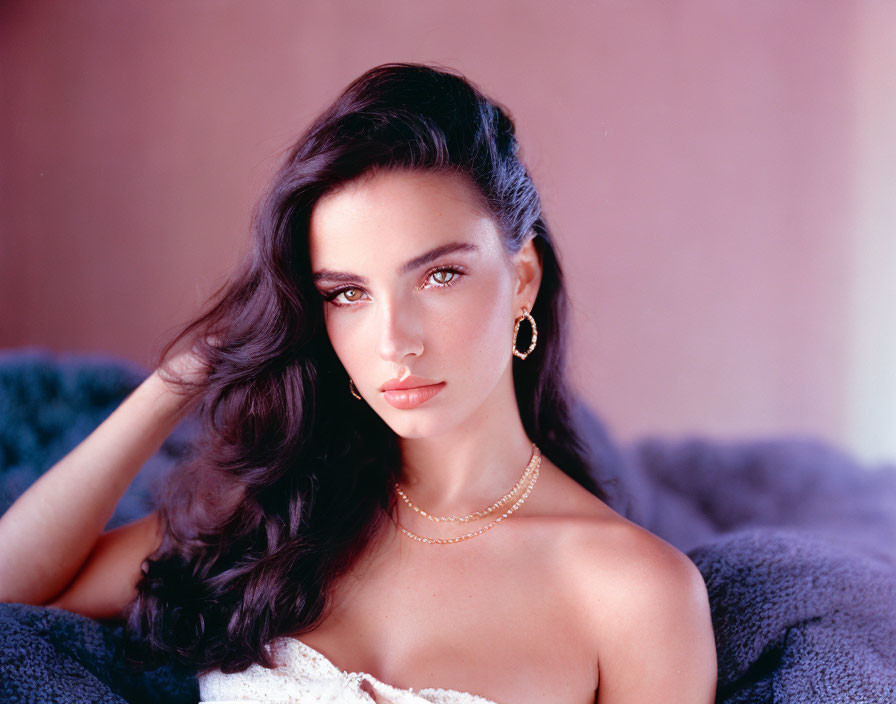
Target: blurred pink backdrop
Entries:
(720, 178)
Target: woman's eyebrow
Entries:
(415, 263)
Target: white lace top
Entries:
(304, 675)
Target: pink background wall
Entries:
(720, 178)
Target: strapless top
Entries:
(304, 675)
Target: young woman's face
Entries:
(414, 281)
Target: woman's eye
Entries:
(355, 292)
(349, 293)
(446, 276)
(443, 277)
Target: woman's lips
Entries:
(411, 398)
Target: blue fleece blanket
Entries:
(795, 539)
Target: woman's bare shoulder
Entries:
(617, 554)
(601, 548)
(643, 597)
(640, 596)
(608, 558)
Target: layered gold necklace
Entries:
(530, 475)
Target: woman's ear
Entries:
(528, 268)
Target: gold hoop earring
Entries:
(516, 329)
(351, 387)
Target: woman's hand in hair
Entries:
(186, 371)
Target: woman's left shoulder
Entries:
(613, 558)
(644, 598)
(641, 596)
(618, 553)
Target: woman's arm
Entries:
(48, 533)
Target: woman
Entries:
(388, 500)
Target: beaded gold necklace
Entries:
(530, 474)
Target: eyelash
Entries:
(329, 296)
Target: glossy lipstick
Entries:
(413, 396)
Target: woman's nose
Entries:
(399, 334)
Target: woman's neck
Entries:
(467, 469)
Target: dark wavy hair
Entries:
(276, 500)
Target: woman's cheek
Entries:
(339, 332)
(478, 314)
